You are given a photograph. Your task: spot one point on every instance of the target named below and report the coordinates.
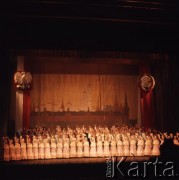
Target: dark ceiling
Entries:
(124, 25)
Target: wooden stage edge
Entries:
(76, 160)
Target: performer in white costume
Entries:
(86, 148)
(106, 148)
(59, 148)
(133, 151)
(148, 146)
(53, 148)
(66, 153)
(156, 147)
(79, 149)
(73, 147)
(30, 154)
(41, 149)
(17, 149)
(120, 148)
(12, 150)
(93, 147)
(47, 149)
(126, 146)
(140, 146)
(23, 149)
(113, 148)
(35, 148)
(100, 152)
(6, 150)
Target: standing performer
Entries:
(59, 149)
(6, 149)
(86, 147)
(93, 147)
(66, 153)
(41, 149)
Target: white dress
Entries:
(59, 153)
(23, 151)
(120, 151)
(126, 147)
(86, 148)
(66, 153)
(12, 151)
(30, 154)
(133, 151)
(100, 152)
(18, 151)
(53, 149)
(79, 149)
(93, 149)
(41, 150)
(106, 149)
(156, 148)
(6, 152)
(47, 150)
(73, 148)
(140, 147)
(113, 148)
(148, 147)
(35, 150)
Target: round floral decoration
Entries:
(147, 82)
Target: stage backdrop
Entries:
(84, 99)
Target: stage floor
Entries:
(73, 168)
(73, 160)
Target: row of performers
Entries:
(50, 147)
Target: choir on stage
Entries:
(43, 143)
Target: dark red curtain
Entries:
(146, 100)
(166, 93)
(26, 110)
(26, 101)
